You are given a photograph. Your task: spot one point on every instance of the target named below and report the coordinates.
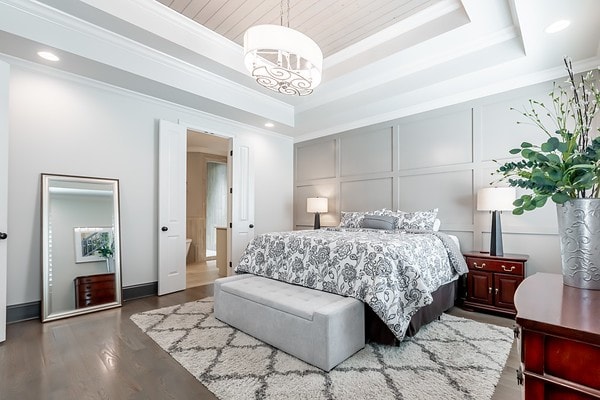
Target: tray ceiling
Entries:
(333, 24)
(385, 59)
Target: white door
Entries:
(242, 230)
(4, 77)
(171, 207)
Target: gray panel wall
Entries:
(435, 159)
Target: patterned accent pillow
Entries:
(419, 220)
(351, 219)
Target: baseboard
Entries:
(23, 312)
(139, 291)
(31, 310)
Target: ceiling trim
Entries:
(54, 28)
(421, 18)
(169, 24)
(194, 118)
(459, 97)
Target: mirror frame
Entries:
(46, 314)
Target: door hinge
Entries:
(230, 264)
(520, 376)
(230, 190)
(230, 225)
(231, 153)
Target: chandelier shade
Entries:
(283, 59)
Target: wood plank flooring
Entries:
(106, 356)
(201, 273)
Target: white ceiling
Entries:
(385, 59)
(334, 24)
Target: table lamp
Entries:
(316, 205)
(496, 200)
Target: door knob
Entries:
(164, 229)
(251, 226)
(3, 235)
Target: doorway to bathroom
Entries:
(207, 210)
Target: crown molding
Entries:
(159, 19)
(43, 24)
(193, 118)
(496, 87)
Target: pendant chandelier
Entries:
(283, 59)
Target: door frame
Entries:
(225, 134)
(4, 115)
(231, 131)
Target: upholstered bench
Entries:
(320, 328)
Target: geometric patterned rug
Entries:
(452, 358)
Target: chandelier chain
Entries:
(285, 11)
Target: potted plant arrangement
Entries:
(107, 250)
(566, 169)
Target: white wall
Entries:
(63, 124)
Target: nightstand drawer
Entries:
(504, 266)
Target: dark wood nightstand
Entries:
(493, 280)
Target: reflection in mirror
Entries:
(80, 245)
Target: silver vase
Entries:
(579, 229)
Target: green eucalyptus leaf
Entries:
(518, 211)
(553, 159)
(560, 198)
(563, 147)
(540, 201)
(528, 153)
(526, 145)
(515, 151)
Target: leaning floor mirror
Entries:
(81, 258)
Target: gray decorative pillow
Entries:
(351, 219)
(379, 222)
(419, 220)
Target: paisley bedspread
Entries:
(394, 272)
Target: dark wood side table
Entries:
(493, 280)
(559, 333)
(92, 290)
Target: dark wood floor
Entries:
(105, 356)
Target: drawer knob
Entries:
(478, 266)
(490, 290)
(512, 268)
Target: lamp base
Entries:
(496, 241)
(317, 221)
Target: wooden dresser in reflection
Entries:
(92, 290)
(559, 334)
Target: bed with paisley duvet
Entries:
(403, 270)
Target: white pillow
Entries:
(436, 224)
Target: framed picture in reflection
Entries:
(93, 244)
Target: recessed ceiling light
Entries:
(269, 124)
(46, 55)
(558, 26)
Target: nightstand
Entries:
(493, 280)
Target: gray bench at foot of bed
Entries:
(320, 328)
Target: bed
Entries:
(405, 277)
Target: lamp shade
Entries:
(496, 198)
(283, 59)
(316, 205)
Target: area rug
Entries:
(453, 358)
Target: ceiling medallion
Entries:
(283, 59)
